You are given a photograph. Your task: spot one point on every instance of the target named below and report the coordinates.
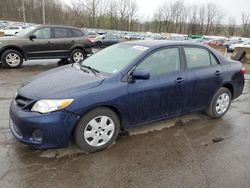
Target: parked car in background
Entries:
(233, 44)
(216, 42)
(107, 40)
(92, 35)
(200, 40)
(44, 42)
(130, 36)
(11, 30)
(245, 44)
(122, 87)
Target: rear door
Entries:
(61, 42)
(204, 77)
(163, 95)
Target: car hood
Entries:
(58, 83)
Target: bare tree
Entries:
(132, 11)
(123, 9)
(91, 6)
(202, 18)
(231, 26)
(211, 14)
(246, 24)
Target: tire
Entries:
(98, 44)
(77, 55)
(12, 59)
(90, 133)
(220, 103)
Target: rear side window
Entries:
(161, 62)
(197, 57)
(60, 33)
(76, 33)
(213, 60)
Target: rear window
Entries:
(76, 33)
(60, 33)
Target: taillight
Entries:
(89, 40)
(243, 70)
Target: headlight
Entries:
(46, 106)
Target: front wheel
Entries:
(220, 103)
(97, 130)
(12, 59)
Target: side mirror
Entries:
(32, 37)
(140, 75)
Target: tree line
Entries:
(171, 16)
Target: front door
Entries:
(163, 94)
(39, 47)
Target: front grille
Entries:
(22, 101)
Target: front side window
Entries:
(161, 62)
(60, 33)
(197, 57)
(43, 33)
(114, 37)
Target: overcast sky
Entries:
(232, 8)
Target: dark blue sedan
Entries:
(122, 87)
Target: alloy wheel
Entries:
(13, 59)
(78, 57)
(222, 103)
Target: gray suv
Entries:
(44, 42)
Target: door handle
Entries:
(73, 41)
(180, 80)
(49, 42)
(217, 73)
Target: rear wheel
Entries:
(12, 59)
(77, 56)
(98, 44)
(97, 130)
(220, 103)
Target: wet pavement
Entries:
(173, 153)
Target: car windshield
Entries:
(24, 32)
(113, 59)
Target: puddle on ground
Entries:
(157, 126)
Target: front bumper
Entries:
(55, 127)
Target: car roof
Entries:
(63, 26)
(161, 43)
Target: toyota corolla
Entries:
(122, 87)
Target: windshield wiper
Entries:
(80, 66)
(90, 68)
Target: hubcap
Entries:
(222, 103)
(13, 59)
(78, 57)
(99, 131)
